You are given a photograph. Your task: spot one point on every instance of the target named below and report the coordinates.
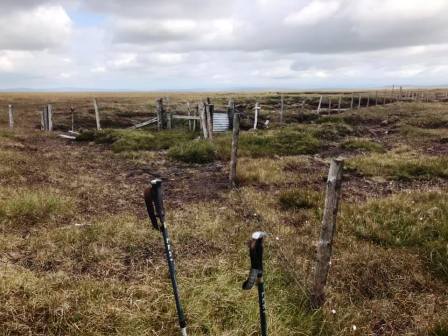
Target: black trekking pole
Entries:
(256, 275)
(154, 205)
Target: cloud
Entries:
(40, 28)
(313, 13)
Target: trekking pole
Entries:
(154, 205)
(256, 275)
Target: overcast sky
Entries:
(222, 44)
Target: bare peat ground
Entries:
(78, 257)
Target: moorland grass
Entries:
(26, 208)
(401, 165)
(364, 145)
(417, 220)
(199, 151)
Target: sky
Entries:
(222, 44)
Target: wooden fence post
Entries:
(97, 114)
(257, 111)
(339, 104)
(50, 117)
(10, 116)
(359, 102)
(230, 112)
(209, 108)
(203, 121)
(352, 101)
(282, 107)
(368, 101)
(320, 104)
(324, 248)
(189, 114)
(160, 111)
(234, 152)
(72, 112)
(329, 105)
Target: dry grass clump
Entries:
(297, 199)
(401, 165)
(23, 209)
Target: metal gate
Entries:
(220, 122)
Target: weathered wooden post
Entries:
(230, 112)
(359, 101)
(234, 152)
(324, 247)
(320, 104)
(368, 101)
(339, 104)
(189, 114)
(72, 111)
(97, 114)
(329, 105)
(257, 111)
(169, 121)
(47, 118)
(282, 107)
(10, 116)
(209, 109)
(203, 121)
(160, 111)
(352, 101)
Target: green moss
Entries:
(194, 152)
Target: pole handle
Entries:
(150, 208)
(256, 259)
(157, 196)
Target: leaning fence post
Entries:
(359, 102)
(320, 104)
(97, 114)
(234, 152)
(257, 111)
(11, 116)
(324, 248)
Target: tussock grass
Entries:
(418, 220)
(200, 151)
(26, 208)
(11, 165)
(364, 145)
(417, 134)
(401, 165)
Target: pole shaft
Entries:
(262, 304)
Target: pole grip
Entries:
(150, 208)
(256, 259)
(157, 196)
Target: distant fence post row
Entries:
(209, 120)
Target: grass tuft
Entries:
(298, 199)
(193, 152)
(26, 208)
(363, 145)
